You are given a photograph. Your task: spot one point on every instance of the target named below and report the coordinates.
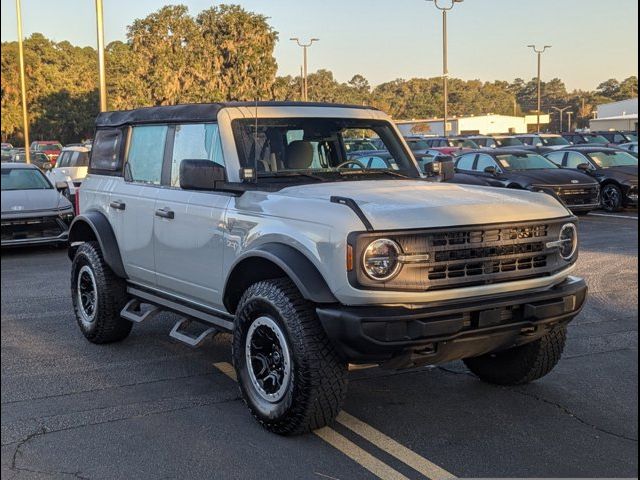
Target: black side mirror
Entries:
(585, 167)
(200, 174)
(441, 169)
(490, 170)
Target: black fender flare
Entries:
(302, 272)
(98, 223)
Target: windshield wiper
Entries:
(374, 171)
(292, 174)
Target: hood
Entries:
(405, 204)
(623, 174)
(550, 176)
(26, 201)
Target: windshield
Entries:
(416, 145)
(595, 139)
(462, 143)
(314, 148)
(554, 141)
(613, 159)
(524, 161)
(633, 137)
(24, 179)
(49, 147)
(508, 142)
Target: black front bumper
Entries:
(450, 330)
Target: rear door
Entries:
(133, 200)
(188, 224)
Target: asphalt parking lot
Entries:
(152, 408)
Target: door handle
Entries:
(118, 205)
(165, 213)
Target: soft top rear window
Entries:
(107, 149)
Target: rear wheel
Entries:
(291, 377)
(523, 364)
(98, 296)
(611, 197)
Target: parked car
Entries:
(585, 138)
(38, 159)
(71, 168)
(451, 142)
(497, 141)
(631, 147)
(51, 148)
(526, 170)
(422, 145)
(260, 226)
(431, 163)
(617, 137)
(543, 142)
(358, 145)
(6, 151)
(614, 169)
(33, 210)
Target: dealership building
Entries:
(473, 125)
(621, 115)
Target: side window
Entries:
(556, 157)
(617, 138)
(485, 161)
(574, 159)
(78, 159)
(377, 163)
(105, 154)
(466, 162)
(199, 141)
(146, 153)
(63, 160)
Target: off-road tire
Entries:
(108, 326)
(523, 364)
(318, 382)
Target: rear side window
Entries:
(146, 153)
(466, 162)
(107, 146)
(78, 159)
(63, 160)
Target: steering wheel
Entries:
(352, 162)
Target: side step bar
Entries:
(179, 333)
(221, 320)
(134, 313)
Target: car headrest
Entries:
(299, 155)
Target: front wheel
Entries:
(290, 375)
(522, 364)
(611, 198)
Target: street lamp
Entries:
(560, 112)
(101, 68)
(539, 52)
(305, 46)
(445, 67)
(23, 90)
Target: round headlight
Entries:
(568, 241)
(380, 260)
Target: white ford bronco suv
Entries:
(250, 218)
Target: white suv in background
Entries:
(71, 168)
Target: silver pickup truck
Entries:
(251, 218)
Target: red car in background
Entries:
(51, 148)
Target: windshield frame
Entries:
(403, 156)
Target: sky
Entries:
(593, 40)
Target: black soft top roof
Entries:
(194, 112)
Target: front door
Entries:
(189, 225)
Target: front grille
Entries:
(476, 255)
(576, 195)
(31, 228)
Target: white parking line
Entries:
(614, 216)
(375, 437)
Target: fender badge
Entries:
(16, 208)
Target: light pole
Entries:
(101, 70)
(569, 113)
(305, 46)
(561, 111)
(539, 53)
(445, 65)
(23, 90)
